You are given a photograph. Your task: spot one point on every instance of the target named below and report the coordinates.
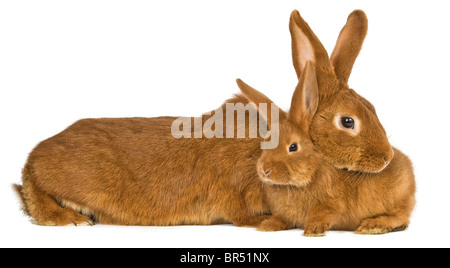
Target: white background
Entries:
(65, 60)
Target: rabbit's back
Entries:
(133, 171)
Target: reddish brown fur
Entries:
(131, 171)
(367, 152)
(342, 200)
(305, 191)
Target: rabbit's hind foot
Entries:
(45, 210)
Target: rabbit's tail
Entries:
(18, 189)
(44, 208)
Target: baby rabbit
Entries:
(305, 191)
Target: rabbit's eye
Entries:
(293, 147)
(351, 125)
(348, 122)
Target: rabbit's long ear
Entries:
(256, 97)
(305, 45)
(349, 44)
(305, 99)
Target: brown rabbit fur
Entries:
(316, 196)
(132, 171)
(367, 150)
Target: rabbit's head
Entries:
(345, 129)
(295, 160)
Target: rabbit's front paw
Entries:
(272, 224)
(380, 225)
(316, 229)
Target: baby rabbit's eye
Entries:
(348, 122)
(293, 147)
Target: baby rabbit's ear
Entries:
(256, 97)
(305, 99)
(349, 44)
(305, 45)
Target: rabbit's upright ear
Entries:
(305, 45)
(256, 97)
(349, 44)
(305, 99)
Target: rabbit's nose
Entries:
(267, 172)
